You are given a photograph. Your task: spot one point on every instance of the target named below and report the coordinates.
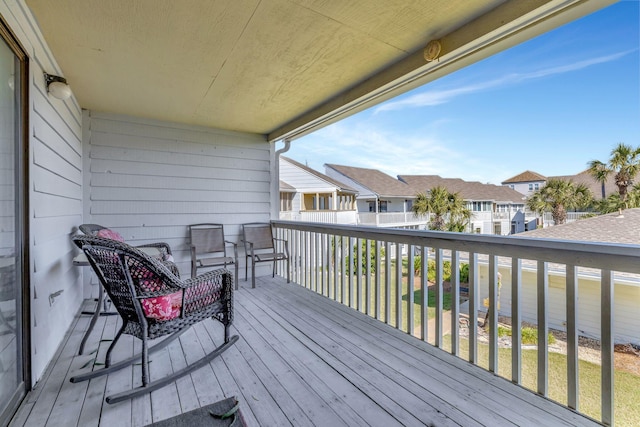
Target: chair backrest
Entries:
(91, 229)
(207, 238)
(127, 274)
(260, 234)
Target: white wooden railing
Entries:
(320, 252)
(391, 218)
(571, 216)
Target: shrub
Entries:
(446, 270)
(363, 251)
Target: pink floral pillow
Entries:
(110, 234)
(166, 307)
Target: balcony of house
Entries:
(357, 343)
(392, 219)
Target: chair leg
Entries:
(288, 271)
(145, 361)
(235, 278)
(107, 358)
(253, 273)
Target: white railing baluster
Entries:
(410, 296)
(387, 283)
(473, 306)
(343, 263)
(424, 294)
(455, 302)
(516, 320)
(399, 286)
(367, 281)
(493, 313)
(606, 346)
(573, 383)
(543, 321)
(438, 297)
(378, 285)
(350, 273)
(359, 274)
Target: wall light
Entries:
(57, 86)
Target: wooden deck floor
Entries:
(301, 360)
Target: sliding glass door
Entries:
(12, 224)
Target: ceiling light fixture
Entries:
(432, 51)
(57, 86)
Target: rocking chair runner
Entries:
(153, 302)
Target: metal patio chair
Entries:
(209, 248)
(261, 246)
(153, 302)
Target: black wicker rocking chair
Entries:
(153, 302)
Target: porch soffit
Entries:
(274, 67)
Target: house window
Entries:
(382, 206)
(286, 202)
(537, 186)
(530, 187)
(513, 187)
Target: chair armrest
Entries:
(162, 247)
(206, 289)
(235, 249)
(285, 244)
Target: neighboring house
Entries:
(496, 209)
(610, 228)
(528, 182)
(382, 200)
(308, 195)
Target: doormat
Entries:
(202, 417)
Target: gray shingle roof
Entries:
(469, 190)
(375, 180)
(526, 176)
(585, 178)
(610, 228)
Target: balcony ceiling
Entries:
(273, 67)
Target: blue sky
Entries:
(549, 105)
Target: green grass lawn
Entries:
(626, 407)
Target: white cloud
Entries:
(436, 97)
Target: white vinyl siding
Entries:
(149, 179)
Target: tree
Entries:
(558, 196)
(449, 210)
(624, 164)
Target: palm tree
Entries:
(624, 164)
(449, 210)
(558, 196)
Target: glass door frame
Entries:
(23, 307)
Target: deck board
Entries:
(301, 360)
